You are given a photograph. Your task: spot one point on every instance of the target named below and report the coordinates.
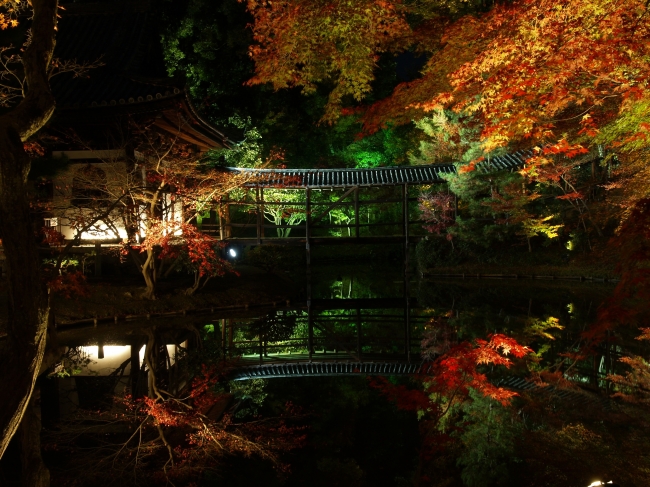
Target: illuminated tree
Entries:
(562, 78)
(286, 214)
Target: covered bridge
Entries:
(310, 206)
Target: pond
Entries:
(319, 355)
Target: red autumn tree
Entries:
(437, 211)
(173, 435)
(531, 72)
(451, 369)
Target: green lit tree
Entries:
(488, 434)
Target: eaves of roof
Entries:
(381, 176)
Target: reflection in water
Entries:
(354, 324)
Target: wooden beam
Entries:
(262, 211)
(221, 228)
(259, 216)
(356, 212)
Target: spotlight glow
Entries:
(232, 253)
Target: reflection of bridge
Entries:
(326, 368)
(328, 337)
(375, 205)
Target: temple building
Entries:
(99, 110)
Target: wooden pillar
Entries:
(223, 336)
(261, 213)
(359, 336)
(230, 333)
(225, 214)
(310, 328)
(407, 317)
(405, 230)
(356, 212)
(308, 227)
(405, 213)
(258, 207)
(98, 259)
(222, 232)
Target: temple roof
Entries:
(121, 36)
(131, 81)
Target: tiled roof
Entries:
(126, 42)
(123, 36)
(382, 176)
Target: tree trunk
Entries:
(149, 275)
(34, 471)
(28, 303)
(28, 310)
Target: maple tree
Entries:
(454, 370)
(562, 78)
(301, 43)
(153, 204)
(437, 211)
(175, 433)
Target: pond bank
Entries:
(117, 299)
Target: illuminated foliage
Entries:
(301, 43)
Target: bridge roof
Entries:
(380, 176)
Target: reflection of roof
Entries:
(382, 176)
(311, 369)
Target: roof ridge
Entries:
(106, 8)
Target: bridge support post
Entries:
(310, 329)
(308, 227)
(260, 214)
(221, 229)
(224, 218)
(359, 336)
(405, 225)
(261, 348)
(356, 212)
(223, 336)
(407, 315)
(98, 259)
(230, 336)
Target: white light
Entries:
(232, 252)
(110, 351)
